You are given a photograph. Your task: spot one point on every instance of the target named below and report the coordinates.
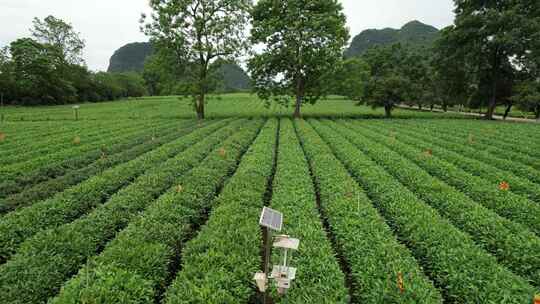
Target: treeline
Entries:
(47, 69)
(489, 58)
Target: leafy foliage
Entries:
(390, 84)
(414, 34)
(49, 71)
(351, 79)
(61, 35)
(501, 41)
(303, 43)
(198, 32)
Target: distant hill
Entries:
(130, 57)
(414, 33)
(234, 78)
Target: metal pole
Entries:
(267, 247)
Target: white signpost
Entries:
(76, 111)
(283, 275)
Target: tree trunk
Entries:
(388, 111)
(300, 91)
(491, 107)
(420, 106)
(537, 113)
(431, 107)
(507, 111)
(297, 107)
(200, 106)
(445, 107)
(494, 87)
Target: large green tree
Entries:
(491, 34)
(38, 72)
(351, 78)
(60, 34)
(303, 44)
(200, 32)
(451, 75)
(7, 81)
(389, 85)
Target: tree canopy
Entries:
(199, 32)
(60, 34)
(303, 45)
(51, 70)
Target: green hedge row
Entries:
(90, 135)
(514, 245)
(15, 170)
(464, 272)
(146, 249)
(505, 203)
(20, 135)
(53, 170)
(366, 242)
(50, 257)
(486, 140)
(518, 136)
(319, 277)
(218, 265)
(124, 152)
(479, 163)
(69, 205)
(495, 132)
(481, 152)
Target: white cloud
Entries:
(108, 24)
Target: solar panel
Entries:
(271, 219)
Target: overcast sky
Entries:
(106, 25)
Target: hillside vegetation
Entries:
(414, 33)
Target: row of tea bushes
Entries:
(145, 252)
(111, 143)
(319, 277)
(374, 256)
(489, 153)
(76, 146)
(464, 272)
(115, 155)
(492, 169)
(52, 256)
(218, 265)
(71, 204)
(513, 244)
(505, 203)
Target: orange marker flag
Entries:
(393, 136)
(401, 284)
(536, 299)
(222, 152)
(504, 186)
